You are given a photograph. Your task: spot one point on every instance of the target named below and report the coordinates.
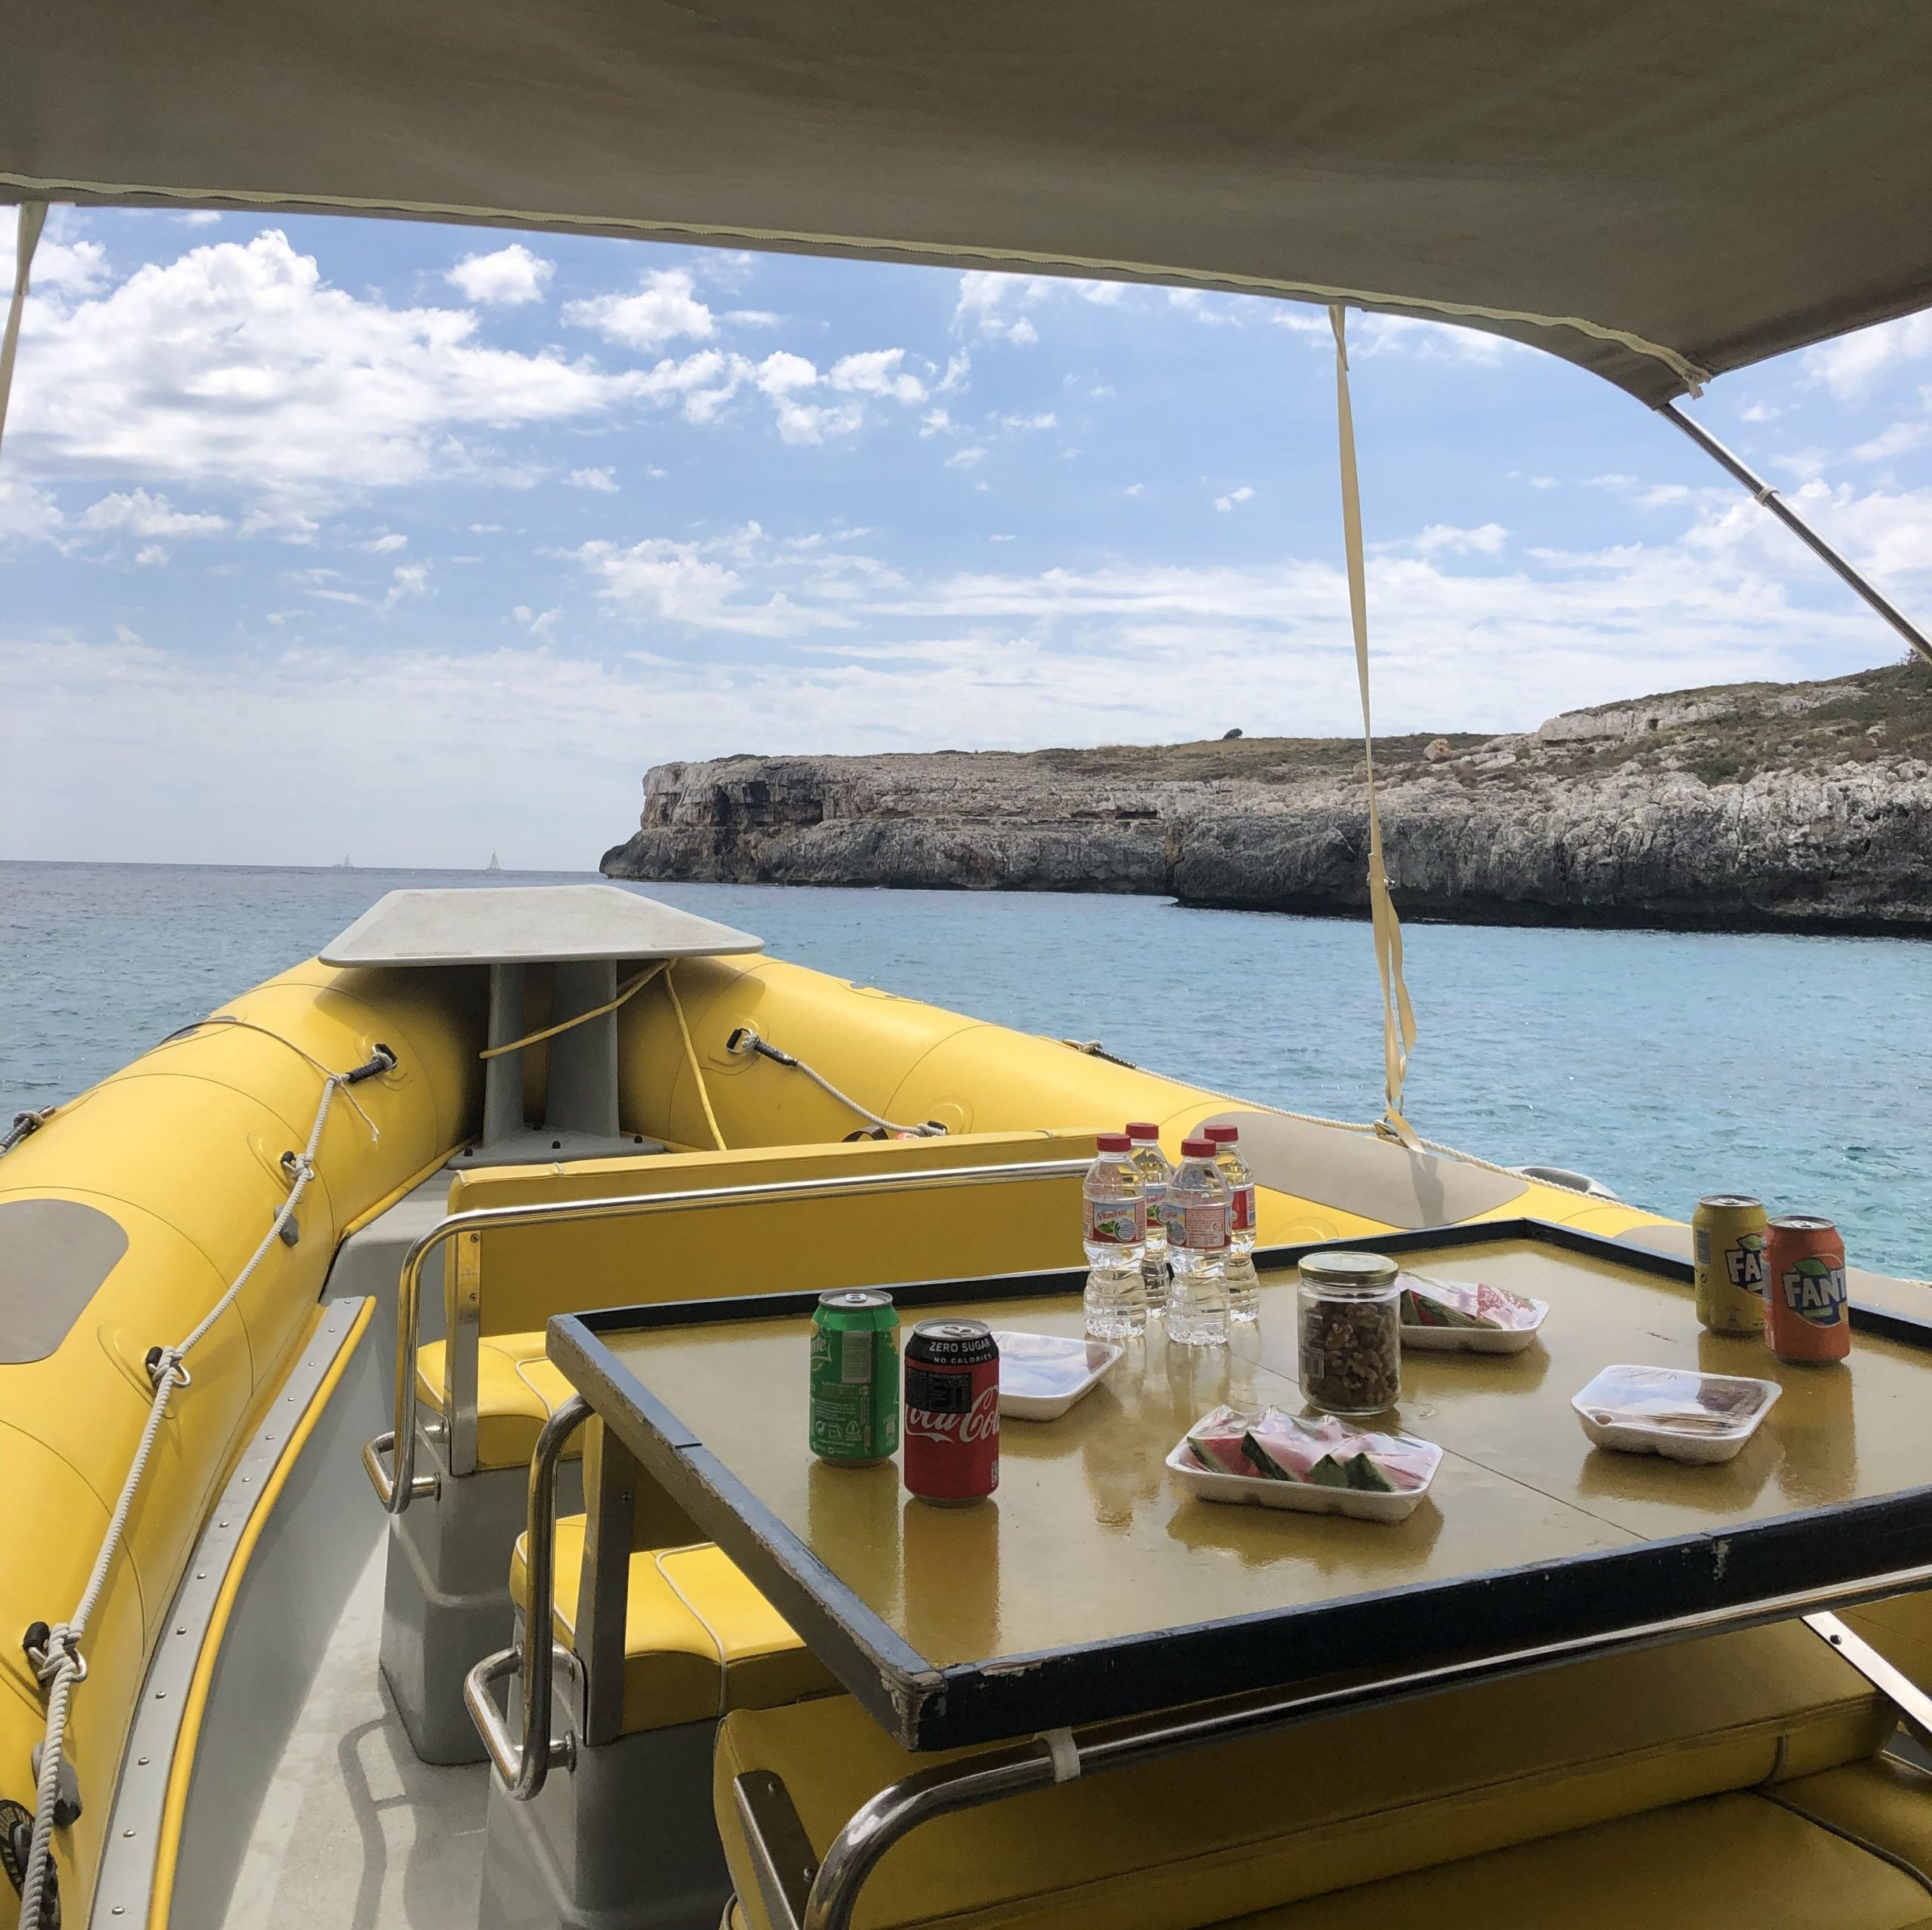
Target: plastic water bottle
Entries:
(1199, 1207)
(1114, 1217)
(1151, 1165)
(1244, 1284)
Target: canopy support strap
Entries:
(33, 219)
(1799, 528)
(1399, 1019)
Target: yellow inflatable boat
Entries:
(294, 1394)
(404, 1372)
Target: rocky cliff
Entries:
(1758, 806)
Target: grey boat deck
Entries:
(354, 1833)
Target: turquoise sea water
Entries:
(1666, 1064)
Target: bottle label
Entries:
(1203, 1228)
(1242, 1207)
(1116, 1222)
(1157, 1211)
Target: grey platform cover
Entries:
(527, 925)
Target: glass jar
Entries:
(1349, 1332)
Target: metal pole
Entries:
(1798, 527)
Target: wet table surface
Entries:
(1092, 1585)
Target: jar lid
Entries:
(1368, 1272)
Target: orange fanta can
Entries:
(1808, 1311)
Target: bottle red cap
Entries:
(1112, 1142)
(1197, 1149)
(1221, 1135)
(1143, 1129)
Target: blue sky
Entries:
(328, 536)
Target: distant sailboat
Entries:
(347, 864)
(492, 865)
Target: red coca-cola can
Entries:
(951, 1421)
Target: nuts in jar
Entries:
(1350, 1332)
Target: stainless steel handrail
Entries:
(764, 1805)
(524, 1763)
(397, 1489)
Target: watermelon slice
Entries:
(1292, 1447)
(1363, 1471)
(1217, 1441)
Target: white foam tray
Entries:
(1082, 1377)
(1302, 1496)
(1476, 1339)
(1639, 1437)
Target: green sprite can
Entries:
(855, 1378)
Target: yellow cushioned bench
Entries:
(517, 1391)
(1254, 1825)
(1739, 1861)
(692, 1619)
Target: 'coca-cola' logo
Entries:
(979, 1423)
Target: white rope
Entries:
(1398, 1019)
(58, 1662)
(33, 218)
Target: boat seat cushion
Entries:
(517, 1391)
(1739, 1861)
(698, 1638)
(1253, 1824)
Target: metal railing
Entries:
(801, 1893)
(398, 1485)
(525, 1763)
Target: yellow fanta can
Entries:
(1727, 1248)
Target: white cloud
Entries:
(137, 513)
(1245, 494)
(27, 515)
(63, 268)
(603, 480)
(936, 422)
(1427, 341)
(793, 385)
(752, 317)
(986, 302)
(1024, 423)
(1852, 367)
(240, 364)
(966, 458)
(289, 525)
(1446, 539)
(682, 582)
(1899, 439)
(1759, 412)
(508, 278)
(409, 579)
(1135, 489)
(665, 308)
(1217, 310)
(153, 554)
(541, 624)
(878, 372)
(386, 544)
